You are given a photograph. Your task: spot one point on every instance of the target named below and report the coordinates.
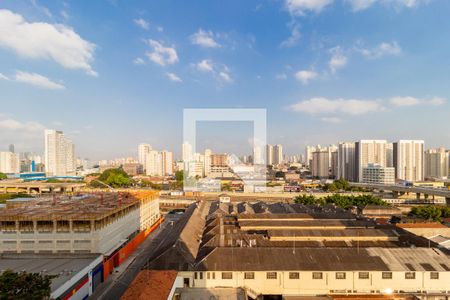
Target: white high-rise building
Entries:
(59, 154)
(207, 162)
(320, 163)
(370, 152)
(376, 174)
(277, 154)
(408, 160)
(269, 155)
(167, 160)
(437, 163)
(143, 150)
(9, 163)
(346, 162)
(154, 163)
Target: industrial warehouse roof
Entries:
(151, 285)
(284, 236)
(325, 259)
(90, 207)
(63, 266)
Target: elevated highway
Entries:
(398, 190)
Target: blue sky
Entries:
(112, 74)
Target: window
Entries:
(208, 275)
(201, 275)
(340, 275)
(434, 275)
(386, 275)
(317, 275)
(249, 275)
(294, 275)
(195, 275)
(227, 275)
(410, 275)
(214, 275)
(363, 275)
(271, 275)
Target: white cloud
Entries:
(37, 80)
(224, 76)
(333, 120)
(42, 40)
(204, 39)
(294, 38)
(138, 61)
(219, 71)
(358, 5)
(305, 76)
(162, 55)
(299, 7)
(160, 29)
(315, 106)
(381, 50)
(338, 60)
(412, 101)
(3, 77)
(142, 23)
(173, 77)
(205, 65)
(11, 124)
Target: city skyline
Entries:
(320, 78)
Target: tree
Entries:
(113, 177)
(430, 212)
(24, 285)
(179, 176)
(3, 176)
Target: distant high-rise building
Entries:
(167, 160)
(269, 155)
(9, 163)
(437, 163)
(277, 154)
(11, 148)
(207, 162)
(370, 152)
(154, 163)
(334, 164)
(346, 162)
(408, 160)
(59, 154)
(143, 150)
(320, 163)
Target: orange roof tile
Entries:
(150, 285)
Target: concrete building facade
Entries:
(409, 160)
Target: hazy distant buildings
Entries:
(437, 163)
(11, 148)
(408, 160)
(277, 154)
(269, 155)
(143, 150)
(9, 163)
(59, 154)
(159, 163)
(346, 162)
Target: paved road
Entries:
(122, 277)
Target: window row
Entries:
(315, 275)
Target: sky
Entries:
(112, 74)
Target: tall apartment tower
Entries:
(143, 150)
(370, 152)
(9, 163)
(59, 154)
(269, 155)
(320, 163)
(408, 160)
(167, 161)
(277, 154)
(346, 162)
(437, 163)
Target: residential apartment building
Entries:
(143, 150)
(409, 160)
(346, 162)
(320, 164)
(277, 154)
(9, 163)
(377, 174)
(437, 163)
(370, 152)
(59, 154)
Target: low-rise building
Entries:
(378, 174)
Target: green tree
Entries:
(430, 212)
(3, 176)
(179, 176)
(24, 285)
(113, 177)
